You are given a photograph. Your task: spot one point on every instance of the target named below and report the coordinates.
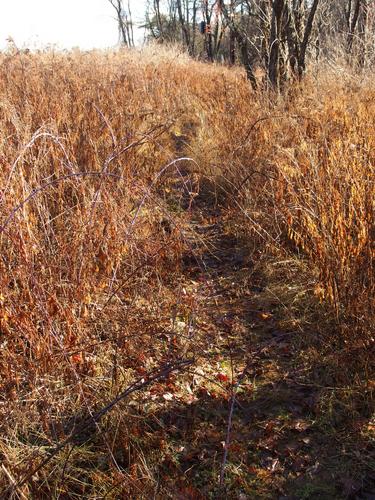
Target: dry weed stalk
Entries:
(85, 264)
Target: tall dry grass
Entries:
(86, 144)
(300, 170)
(89, 150)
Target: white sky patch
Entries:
(66, 23)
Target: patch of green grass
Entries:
(309, 491)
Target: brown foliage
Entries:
(92, 236)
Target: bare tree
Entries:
(306, 37)
(274, 64)
(187, 16)
(275, 35)
(292, 20)
(124, 20)
(348, 29)
(352, 15)
(238, 33)
(357, 19)
(173, 21)
(232, 35)
(158, 18)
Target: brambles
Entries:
(114, 166)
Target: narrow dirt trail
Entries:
(249, 426)
(243, 350)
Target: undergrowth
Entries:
(104, 157)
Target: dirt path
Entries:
(254, 422)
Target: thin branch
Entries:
(138, 385)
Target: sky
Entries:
(66, 23)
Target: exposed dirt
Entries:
(290, 435)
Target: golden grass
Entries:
(300, 169)
(88, 149)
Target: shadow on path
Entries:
(286, 441)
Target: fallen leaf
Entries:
(77, 358)
(168, 396)
(265, 316)
(301, 426)
(222, 377)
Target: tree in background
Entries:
(187, 16)
(346, 29)
(161, 24)
(276, 36)
(273, 34)
(173, 21)
(125, 23)
(359, 17)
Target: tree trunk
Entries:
(274, 43)
(194, 27)
(232, 38)
(352, 25)
(184, 26)
(124, 20)
(159, 24)
(306, 38)
(243, 46)
(246, 61)
(363, 25)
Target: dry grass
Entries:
(301, 172)
(92, 236)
